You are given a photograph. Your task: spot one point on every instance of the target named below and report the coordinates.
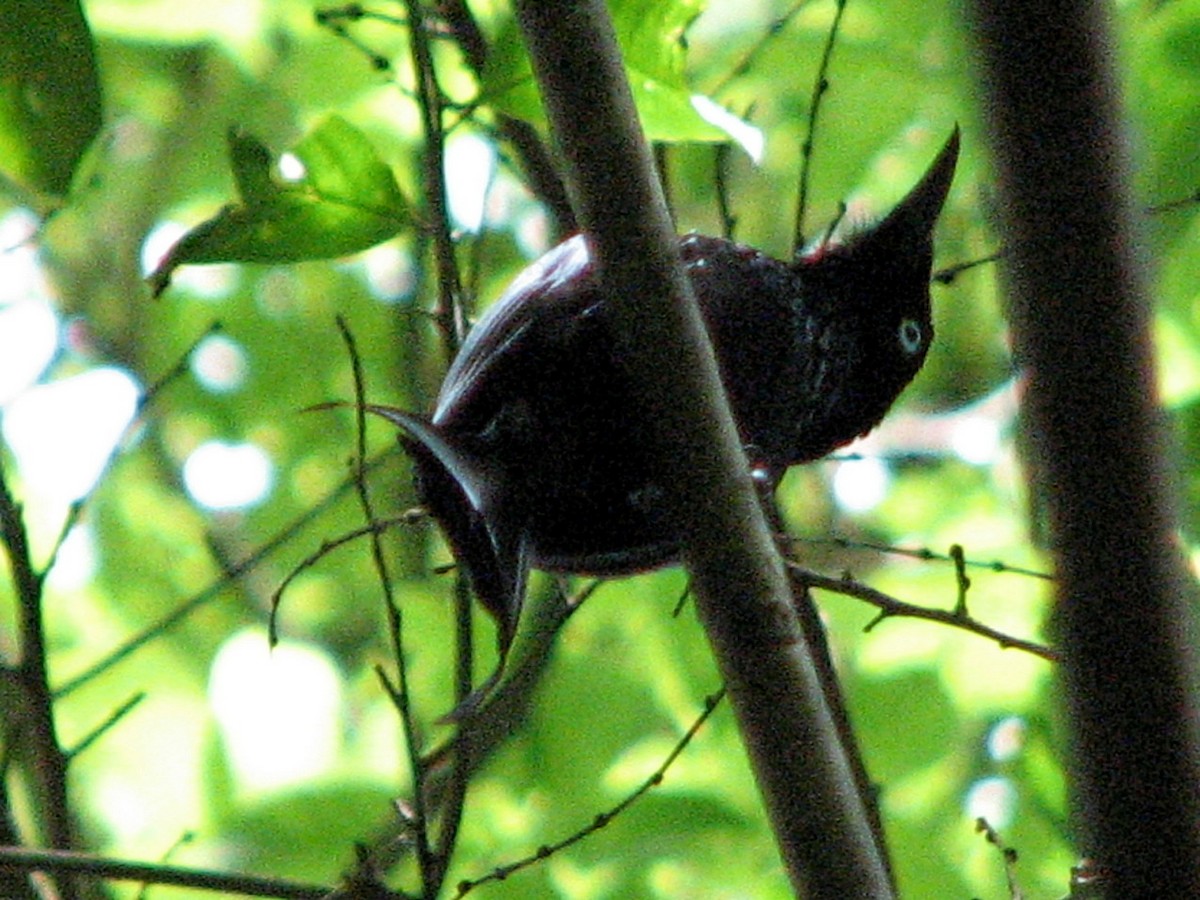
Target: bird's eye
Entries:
(910, 336)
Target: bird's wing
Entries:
(547, 295)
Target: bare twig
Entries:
(16, 859)
(949, 273)
(721, 154)
(496, 718)
(889, 606)
(219, 586)
(432, 869)
(451, 810)
(820, 86)
(327, 546)
(147, 397)
(1191, 199)
(923, 553)
(106, 725)
(1007, 854)
(42, 758)
(603, 819)
(742, 66)
(961, 579)
(335, 19)
(449, 311)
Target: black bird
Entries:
(532, 459)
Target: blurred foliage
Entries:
(950, 724)
(49, 94)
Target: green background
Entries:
(145, 138)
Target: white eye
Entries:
(910, 336)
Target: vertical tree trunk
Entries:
(1081, 320)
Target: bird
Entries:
(531, 457)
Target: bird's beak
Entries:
(909, 227)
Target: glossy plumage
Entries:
(531, 457)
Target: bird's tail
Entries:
(465, 497)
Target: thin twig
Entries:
(925, 554)
(449, 312)
(214, 590)
(1007, 854)
(182, 841)
(820, 86)
(742, 66)
(889, 606)
(493, 721)
(334, 20)
(721, 156)
(1170, 205)
(327, 546)
(106, 725)
(962, 580)
(602, 819)
(461, 771)
(949, 273)
(432, 869)
(147, 397)
(17, 859)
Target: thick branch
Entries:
(741, 593)
(1081, 320)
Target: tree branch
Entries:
(31, 726)
(17, 859)
(741, 592)
(535, 159)
(889, 606)
(449, 312)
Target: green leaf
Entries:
(251, 163)
(49, 93)
(345, 200)
(651, 38)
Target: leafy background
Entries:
(276, 763)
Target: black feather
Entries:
(531, 457)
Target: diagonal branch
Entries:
(741, 592)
